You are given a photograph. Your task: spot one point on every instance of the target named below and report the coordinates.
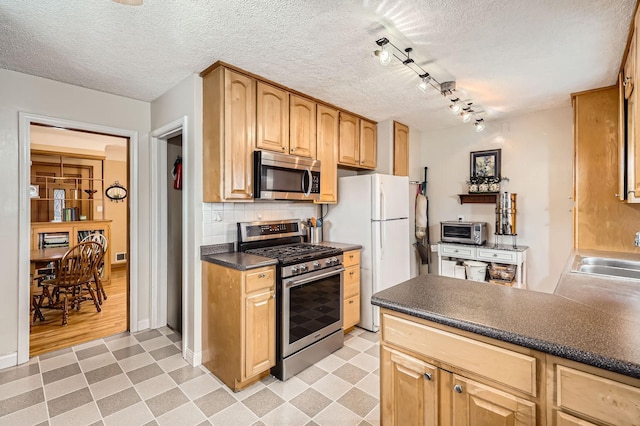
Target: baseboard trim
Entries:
(143, 324)
(194, 359)
(9, 360)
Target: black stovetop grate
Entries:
(295, 252)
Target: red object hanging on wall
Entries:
(177, 173)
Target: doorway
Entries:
(69, 173)
(174, 233)
(25, 120)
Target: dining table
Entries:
(46, 255)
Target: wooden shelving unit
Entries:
(479, 198)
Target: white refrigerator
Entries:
(373, 211)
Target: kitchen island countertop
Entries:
(564, 325)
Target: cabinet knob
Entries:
(262, 275)
(455, 251)
(427, 376)
(350, 256)
(284, 148)
(457, 388)
(293, 150)
(626, 81)
(351, 273)
(495, 254)
(351, 302)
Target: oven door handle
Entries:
(296, 283)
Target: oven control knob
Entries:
(303, 268)
(316, 264)
(294, 269)
(327, 262)
(334, 261)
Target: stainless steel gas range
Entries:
(309, 290)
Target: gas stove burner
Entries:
(298, 252)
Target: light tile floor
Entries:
(141, 379)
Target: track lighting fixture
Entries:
(387, 51)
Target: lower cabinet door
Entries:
(480, 405)
(409, 390)
(259, 333)
(564, 419)
(351, 311)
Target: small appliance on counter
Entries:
(463, 232)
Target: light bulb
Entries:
(455, 108)
(384, 56)
(466, 115)
(424, 82)
(480, 125)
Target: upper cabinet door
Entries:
(272, 118)
(239, 124)
(327, 150)
(302, 127)
(349, 145)
(368, 143)
(400, 149)
(630, 68)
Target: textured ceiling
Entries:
(507, 56)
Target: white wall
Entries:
(185, 99)
(537, 157)
(21, 92)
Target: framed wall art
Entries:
(485, 163)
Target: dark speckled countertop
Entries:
(571, 324)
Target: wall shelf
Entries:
(486, 198)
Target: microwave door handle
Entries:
(307, 190)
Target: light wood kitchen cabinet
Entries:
(400, 149)
(351, 307)
(302, 126)
(368, 144)
(229, 117)
(349, 142)
(410, 390)
(238, 332)
(327, 152)
(358, 141)
(272, 119)
(432, 375)
(584, 395)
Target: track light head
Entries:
(384, 56)
(466, 114)
(455, 106)
(447, 88)
(480, 125)
(424, 81)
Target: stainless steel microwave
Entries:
(285, 177)
(463, 232)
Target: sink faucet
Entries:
(636, 241)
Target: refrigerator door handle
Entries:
(382, 207)
(382, 232)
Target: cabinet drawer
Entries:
(563, 419)
(497, 255)
(461, 251)
(351, 281)
(260, 279)
(351, 258)
(351, 311)
(505, 366)
(603, 399)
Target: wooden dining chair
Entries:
(102, 240)
(72, 282)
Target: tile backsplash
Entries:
(219, 219)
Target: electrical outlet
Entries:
(460, 218)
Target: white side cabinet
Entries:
(499, 254)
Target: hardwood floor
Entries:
(85, 325)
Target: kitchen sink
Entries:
(609, 267)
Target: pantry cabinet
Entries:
(302, 126)
(327, 152)
(238, 332)
(433, 376)
(351, 307)
(272, 118)
(229, 117)
(358, 140)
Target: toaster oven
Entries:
(463, 232)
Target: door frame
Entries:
(24, 222)
(159, 220)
